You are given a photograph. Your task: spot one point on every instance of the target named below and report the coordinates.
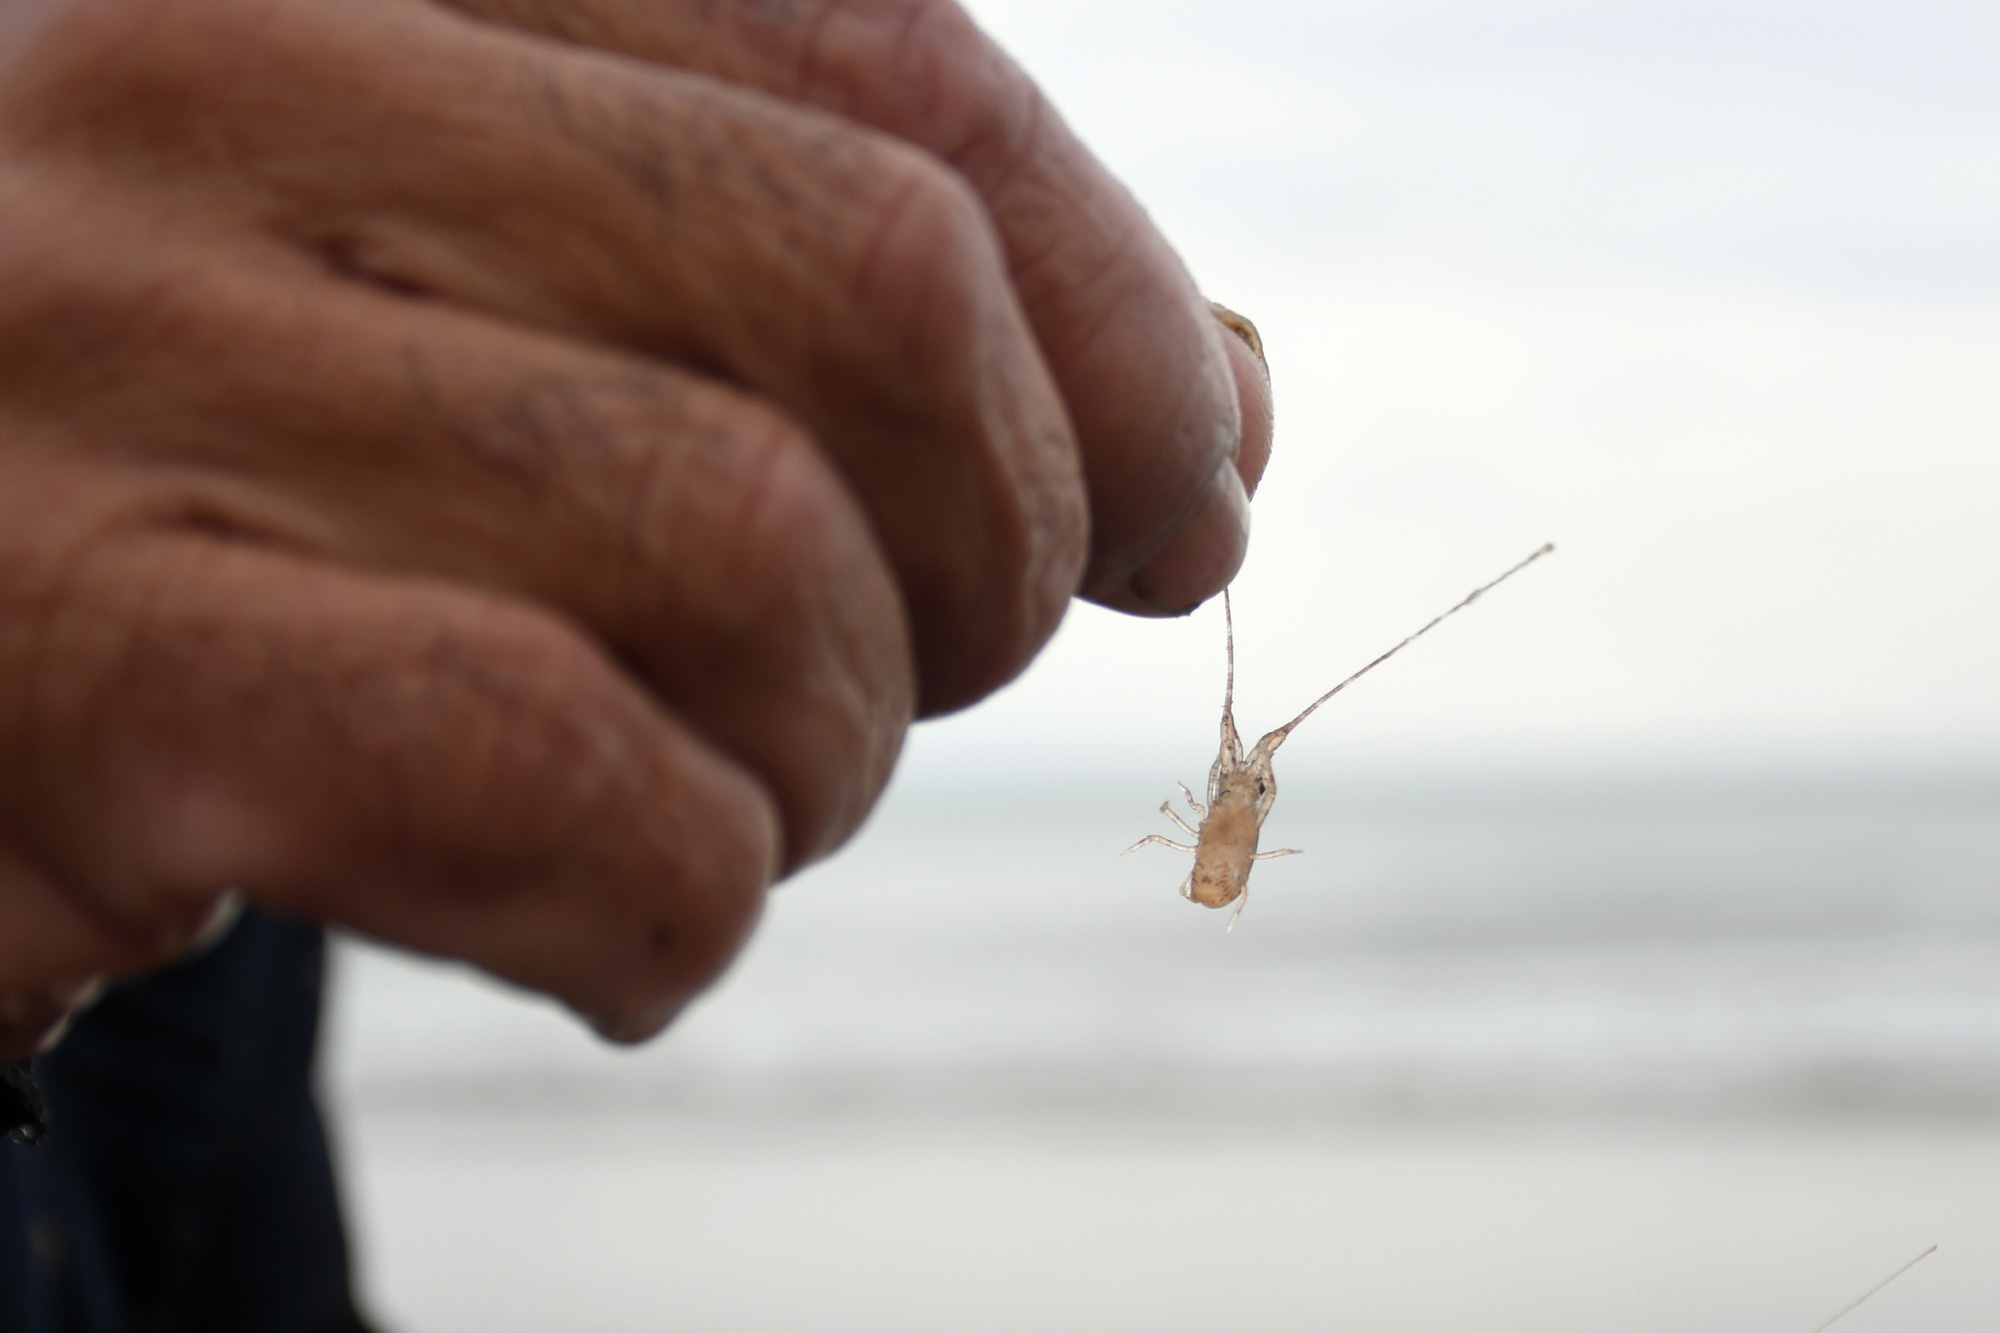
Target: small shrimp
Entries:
(1242, 787)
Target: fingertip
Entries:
(1203, 555)
(1198, 556)
(641, 1025)
(1243, 345)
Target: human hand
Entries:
(504, 484)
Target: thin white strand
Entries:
(1470, 598)
(1877, 1287)
(1229, 640)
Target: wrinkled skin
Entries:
(503, 475)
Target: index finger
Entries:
(1172, 416)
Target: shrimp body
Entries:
(1223, 854)
(1240, 792)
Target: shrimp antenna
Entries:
(1470, 598)
(1846, 1309)
(1229, 638)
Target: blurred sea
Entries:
(1689, 942)
(1546, 1053)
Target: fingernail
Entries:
(1242, 328)
(1200, 558)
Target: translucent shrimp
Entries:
(1241, 787)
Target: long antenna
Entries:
(1877, 1287)
(1229, 637)
(1470, 598)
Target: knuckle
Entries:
(747, 492)
(731, 503)
(934, 285)
(803, 665)
(523, 708)
(976, 102)
(553, 741)
(566, 780)
(926, 70)
(931, 267)
(795, 529)
(103, 70)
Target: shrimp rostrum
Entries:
(1242, 787)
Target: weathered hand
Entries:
(509, 495)
(1172, 418)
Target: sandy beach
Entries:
(623, 1223)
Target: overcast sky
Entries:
(1707, 293)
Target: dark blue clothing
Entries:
(184, 1186)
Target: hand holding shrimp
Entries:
(1241, 788)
